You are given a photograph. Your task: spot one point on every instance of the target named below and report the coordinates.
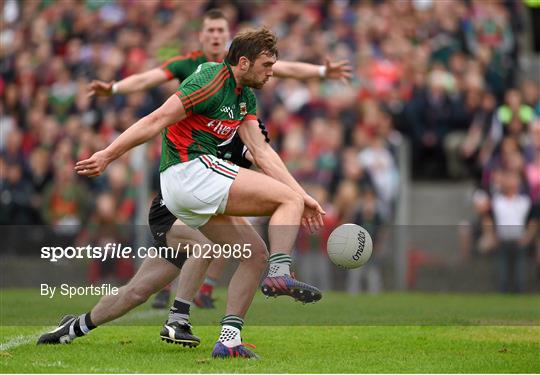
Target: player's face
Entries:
(214, 36)
(259, 71)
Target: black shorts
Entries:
(161, 220)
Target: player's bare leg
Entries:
(177, 328)
(204, 298)
(153, 274)
(151, 277)
(287, 208)
(226, 230)
(216, 268)
(255, 194)
(247, 198)
(243, 285)
(194, 269)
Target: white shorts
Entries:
(197, 190)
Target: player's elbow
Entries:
(162, 117)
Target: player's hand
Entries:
(100, 88)
(93, 166)
(312, 218)
(341, 70)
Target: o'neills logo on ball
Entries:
(361, 243)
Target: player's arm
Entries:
(265, 157)
(133, 83)
(271, 164)
(264, 132)
(146, 128)
(341, 70)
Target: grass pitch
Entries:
(341, 334)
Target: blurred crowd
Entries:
(507, 201)
(442, 74)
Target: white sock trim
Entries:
(230, 336)
(278, 269)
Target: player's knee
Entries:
(290, 197)
(259, 255)
(295, 200)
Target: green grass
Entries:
(22, 306)
(396, 333)
(291, 349)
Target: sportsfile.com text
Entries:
(119, 251)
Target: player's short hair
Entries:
(252, 43)
(214, 14)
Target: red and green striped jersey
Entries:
(181, 67)
(215, 108)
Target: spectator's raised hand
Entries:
(100, 88)
(341, 70)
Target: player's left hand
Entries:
(100, 88)
(93, 166)
(341, 70)
(312, 218)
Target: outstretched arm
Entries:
(146, 128)
(135, 82)
(271, 164)
(341, 70)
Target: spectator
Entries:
(350, 170)
(465, 106)
(40, 175)
(509, 157)
(512, 118)
(379, 162)
(313, 262)
(119, 180)
(367, 215)
(478, 237)
(16, 197)
(13, 150)
(105, 228)
(477, 136)
(65, 204)
(510, 211)
(429, 115)
(531, 95)
(532, 172)
(16, 208)
(346, 199)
